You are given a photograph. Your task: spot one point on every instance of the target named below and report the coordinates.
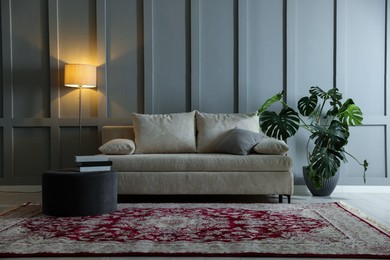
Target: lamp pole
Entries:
(80, 76)
(80, 109)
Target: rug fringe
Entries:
(369, 219)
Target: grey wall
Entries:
(162, 56)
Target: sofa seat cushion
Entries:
(205, 183)
(200, 163)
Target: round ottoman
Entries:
(70, 193)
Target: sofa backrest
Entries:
(113, 132)
(216, 129)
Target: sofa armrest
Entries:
(113, 132)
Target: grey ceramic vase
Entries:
(328, 185)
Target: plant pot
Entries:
(328, 185)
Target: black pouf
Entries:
(69, 193)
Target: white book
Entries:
(90, 158)
(93, 168)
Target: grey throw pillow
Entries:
(239, 141)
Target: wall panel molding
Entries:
(149, 57)
(310, 32)
(167, 56)
(218, 56)
(195, 55)
(266, 51)
(6, 28)
(243, 56)
(387, 101)
(121, 57)
(27, 164)
(55, 82)
(7, 112)
(30, 59)
(361, 74)
(2, 153)
(27, 126)
(103, 55)
(162, 56)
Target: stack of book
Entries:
(93, 163)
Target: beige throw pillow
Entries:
(118, 146)
(269, 145)
(164, 133)
(213, 128)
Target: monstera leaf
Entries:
(350, 114)
(335, 103)
(280, 126)
(307, 105)
(333, 137)
(335, 94)
(324, 164)
(270, 101)
(318, 92)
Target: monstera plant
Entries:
(327, 119)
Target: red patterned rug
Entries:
(315, 230)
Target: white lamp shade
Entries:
(80, 75)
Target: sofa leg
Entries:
(288, 198)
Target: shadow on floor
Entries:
(197, 199)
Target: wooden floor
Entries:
(375, 205)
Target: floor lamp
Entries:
(80, 76)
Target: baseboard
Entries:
(303, 190)
(21, 188)
(298, 189)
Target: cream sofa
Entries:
(181, 154)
